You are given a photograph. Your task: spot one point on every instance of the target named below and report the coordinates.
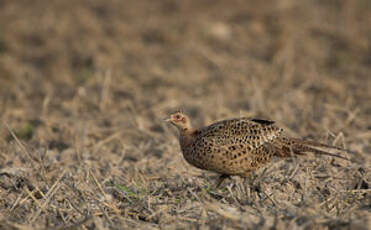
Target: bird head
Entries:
(180, 120)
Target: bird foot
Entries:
(221, 179)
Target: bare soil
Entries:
(85, 84)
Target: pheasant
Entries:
(238, 146)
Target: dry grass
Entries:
(84, 86)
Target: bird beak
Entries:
(166, 119)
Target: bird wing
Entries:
(254, 132)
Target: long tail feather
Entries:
(317, 144)
(288, 146)
(305, 148)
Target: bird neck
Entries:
(185, 128)
(186, 136)
(185, 131)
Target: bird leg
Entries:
(221, 179)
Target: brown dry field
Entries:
(84, 86)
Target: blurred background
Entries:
(91, 80)
(159, 55)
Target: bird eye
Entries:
(177, 117)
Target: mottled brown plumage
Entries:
(238, 146)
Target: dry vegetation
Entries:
(84, 86)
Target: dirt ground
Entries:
(85, 85)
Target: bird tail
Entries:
(288, 146)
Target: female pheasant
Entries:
(238, 146)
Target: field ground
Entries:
(85, 84)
